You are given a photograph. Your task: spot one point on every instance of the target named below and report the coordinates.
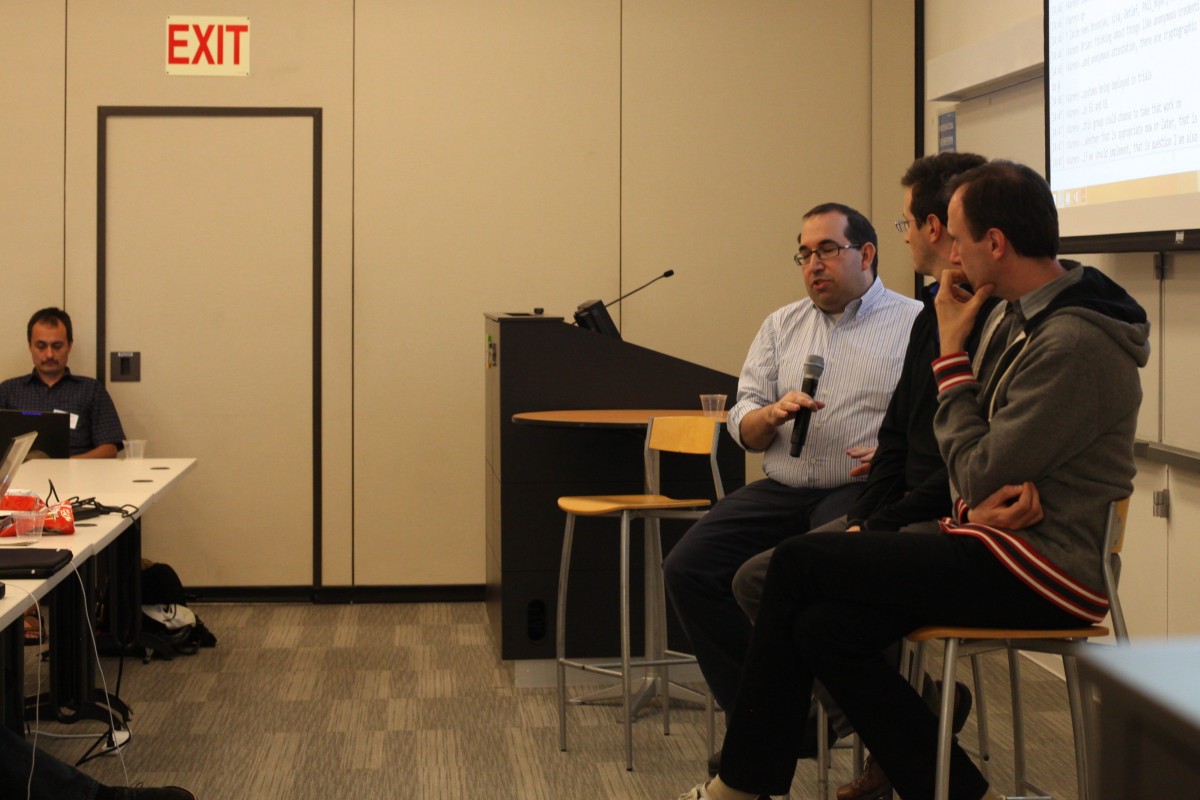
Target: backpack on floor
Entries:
(169, 627)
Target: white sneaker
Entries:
(697, 792)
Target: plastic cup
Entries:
(135, 448)
(713, 404)
(27, 526)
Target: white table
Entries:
(116, 483)
(1148, 718)
(113, 482)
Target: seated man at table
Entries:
(95, 427)
(861, 330)
(22, 765)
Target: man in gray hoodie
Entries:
(1049, 405)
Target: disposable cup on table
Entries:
(26, 527)
(713, 404)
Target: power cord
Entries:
(112, 733)
(37, 608)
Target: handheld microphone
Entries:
(666, 274)
(814, 365)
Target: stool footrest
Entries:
(611, 668)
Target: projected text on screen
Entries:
(1123, 99)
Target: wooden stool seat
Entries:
(599, 505)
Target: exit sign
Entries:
(208, 46)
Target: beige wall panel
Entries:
(210, 277)
(1183, 589)
(1145, 557)
(1135, 272)
(733, 128)
(302, 56)
(954, 24)
(1181, 352)
(950, 24)
(892, 132)
(31, 166)
(487, 141)
(1010, 123)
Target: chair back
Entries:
(688, 435)
(1118, 512)
(1114, 539)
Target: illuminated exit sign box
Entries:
(208, 46)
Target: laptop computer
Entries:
(14, 457)
(53, 430)
(35, 562)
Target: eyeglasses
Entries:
(824, 252)
(902, 225)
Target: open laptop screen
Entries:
(14, 457)
(53, 430)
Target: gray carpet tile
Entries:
(310, 702)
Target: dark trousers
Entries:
(831, 603)
(51, 777)
(699, 569)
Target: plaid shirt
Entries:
(98, 422)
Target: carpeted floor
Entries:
(310, 702)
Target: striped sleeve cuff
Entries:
(952, 370)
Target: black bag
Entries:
(162, 595)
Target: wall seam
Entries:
(66, 64)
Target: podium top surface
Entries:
(604, 417)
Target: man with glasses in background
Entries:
(909, 486)
(860, 330)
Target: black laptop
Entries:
(52, 428)
(31, 562)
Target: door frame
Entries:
(104, 114)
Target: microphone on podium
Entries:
(593, 314)
(666, 274)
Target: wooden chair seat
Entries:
(599, 505)
(1005, 634)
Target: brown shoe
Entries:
(871, 785)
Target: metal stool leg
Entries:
(945, 721)
(981, 725)
(1014, 680)
(626, 678)
(822, 752)
(710, 705)
(1078, 725)
(659, 600)
(560, 630)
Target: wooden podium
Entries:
(537, 363)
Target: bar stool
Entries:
(688, 435)
(1064, 642)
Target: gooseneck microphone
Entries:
(814, 365)
(666, 274)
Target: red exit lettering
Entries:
(205, 44)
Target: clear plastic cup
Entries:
(135, 448)
(713, 404)
(27, 526)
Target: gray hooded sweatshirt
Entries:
(1058, 406)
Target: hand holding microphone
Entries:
(814, 365)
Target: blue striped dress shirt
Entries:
(863, 351)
